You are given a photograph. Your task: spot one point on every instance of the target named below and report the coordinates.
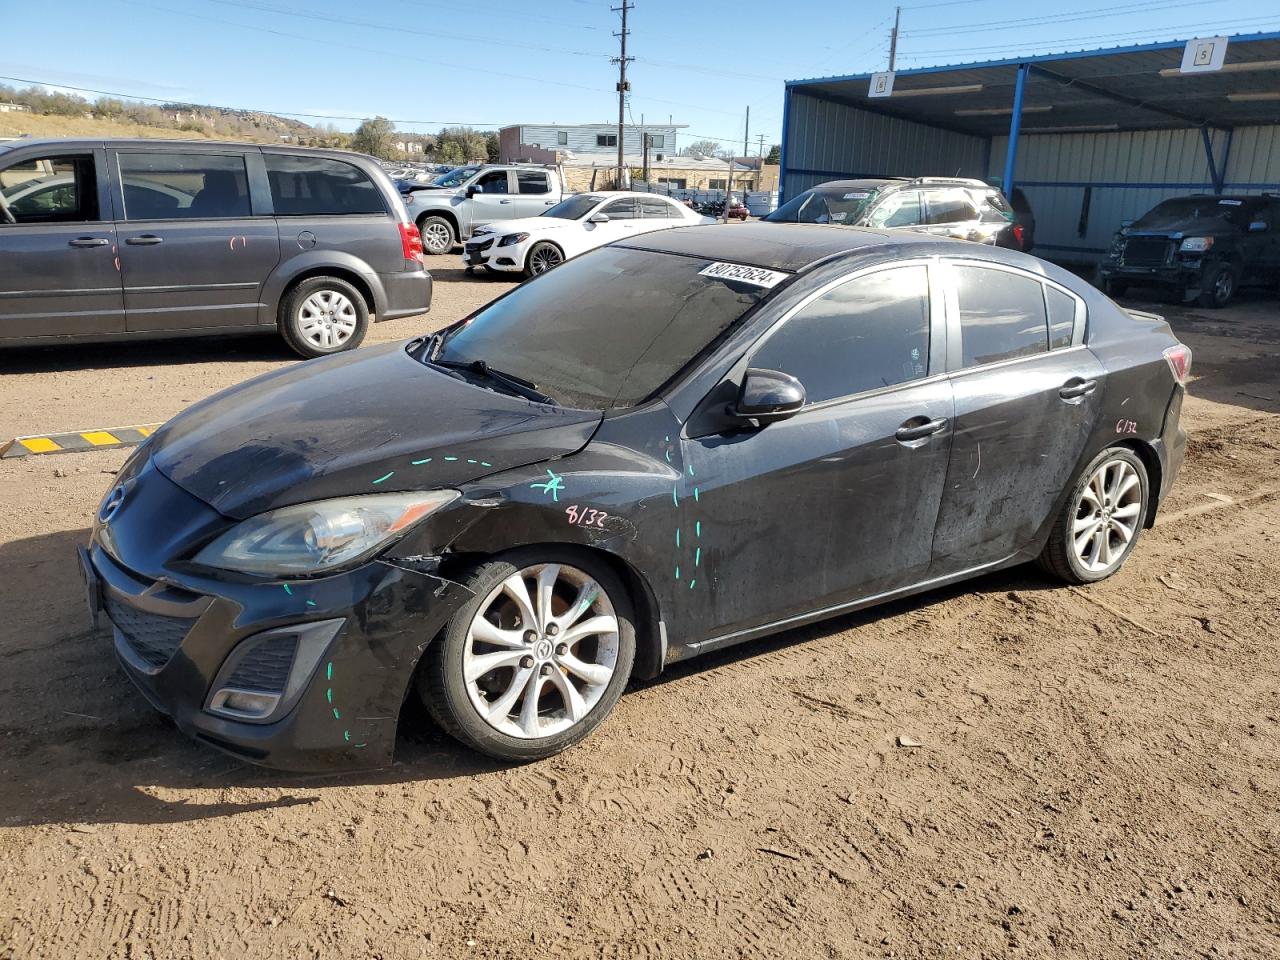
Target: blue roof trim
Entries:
(1037, 58)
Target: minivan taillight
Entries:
(411, 241)
(1179, 358)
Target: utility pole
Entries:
(746, 134)
(760, 153)
(644, 148)
(893, 37)
(623, 87)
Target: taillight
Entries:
(411, 241)
(1179, 358)
(1017, 235)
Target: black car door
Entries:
(1027, 394)
(59, 275)
(838, 502)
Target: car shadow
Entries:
(79, 745)
(62, 358)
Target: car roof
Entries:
(165, 143)
(790, 247)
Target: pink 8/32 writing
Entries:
(585, 516)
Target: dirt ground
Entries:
(1096, 775)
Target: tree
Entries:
(374, 138)
(708, 148)
(457, 145)
(492, 147)
(775, 154)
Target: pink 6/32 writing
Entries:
(585, 516)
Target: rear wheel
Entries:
(1101, 520)
(543, 257)
(1218, 288)
(323, 315)
(438, 235)
(536, 659)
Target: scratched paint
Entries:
(688, 553)
(386, 476)
(552, 486)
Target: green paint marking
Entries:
(695, 494)
(328, 671)
(287, 589)
(666, 439)
(677, 536)
(668, 456)
(346, 735)
(697, 557)
(697, 528)
(386, 477)
(311, 603)
(472, 461)
(451, 459)
(336, 714)
(691, 584)
(483, 463)
(674, 497)
(677, 573)
(418, 463)
(552, 486)
(328, 694)
(359, 745)
(691, 469)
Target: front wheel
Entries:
(1218, 288)
(323, 315)
(543, 256)
(536, 659)
(1101, 520)
(438, 236)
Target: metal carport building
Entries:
(1092, 138)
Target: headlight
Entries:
(1196, 244)
(511, 239)
(481, 231)
(316, 537)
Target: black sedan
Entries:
(657, 449)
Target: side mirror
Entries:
(768, 396)
(473, 190)
(599, 218)
(1258, 226)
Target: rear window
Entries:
(184, 186)
(318, 186)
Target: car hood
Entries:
(371, 421)
(530, 225)
(1181, 227)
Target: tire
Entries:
(456, 684)
(1115, 288)
(438, 235)
(1067, 553)
(322, 316)
(543, 256)
(1218, 286)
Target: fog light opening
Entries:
(243, 704)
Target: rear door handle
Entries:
(918, 432)
(88, 242)
(504, 201)
(1075, 388)
(549, 203)
(146, 240)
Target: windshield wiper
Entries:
(518, 385)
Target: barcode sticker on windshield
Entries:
(1230, 203)
(861, 195)
(757, 276)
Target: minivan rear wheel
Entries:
(322, 316)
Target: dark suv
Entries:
(105, 240)
(940, 206)
(1200, 248)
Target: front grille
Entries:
(265, 667)
(480, 246)
(152, 637)
(1146, 252)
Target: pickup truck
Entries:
(451, 207)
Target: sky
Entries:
(492, 63)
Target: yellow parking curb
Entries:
(77, 441)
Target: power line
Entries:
(1053, 19)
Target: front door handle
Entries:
(910, 431)
(550, 203)
(1075, 388)
(88, 242)
(504, 201)
(146, 240)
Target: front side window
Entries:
(493, 182)
(573, 208)
(605, 329)
(318, 186)
(184, 186)
(898, 210)
(867, 333)
(950, 206)
(533, 181)
(61, 189)
(1002, 315)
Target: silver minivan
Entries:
(119, 239)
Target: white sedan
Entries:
(574, 225)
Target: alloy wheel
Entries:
(1107, 515)
(540, 651)
(327, 319)
(1223, 286)
(437, 238)
(544, 258)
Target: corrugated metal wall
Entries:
(1123, 175)
(827, 141)
(582, 140)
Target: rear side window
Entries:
(868, 333)
(1062, 317)
(652, 209)
(995, 208)
(319, 186)
(1002, 315)
(184, 186)
(50, 190)
(533, 181)
(950, 206)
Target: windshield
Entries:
(573, 208)
(1172, 212)
(456, 177)
(605, 329)
(824, 206)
